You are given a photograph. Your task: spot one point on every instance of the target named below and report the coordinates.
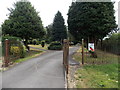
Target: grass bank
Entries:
(101, 72)
(97, 76)
(29, 55)
(39, 46)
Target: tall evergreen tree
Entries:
(93, 20)
(59, 30)
(49, 33)
(23, 21)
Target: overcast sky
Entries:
(47, 9)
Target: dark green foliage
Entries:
(13, 41)
(111, 44)
(42, 44)
(10, 38)
(93, 20)
(0, 32)
(24, 22)
(34, 42)
(48, 35)
(23, 51)
(58, 30)
(55, 46)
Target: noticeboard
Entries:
(91, 47)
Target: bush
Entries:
(42, 44)
(10, 38)
(55, 46)
(34, 42)
(15, 50)
(93, 54)
(16, 47)
(23, 50)
(111, 44)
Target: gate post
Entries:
(82, 51)
(66, 57)
(66, 54)
(6, 52)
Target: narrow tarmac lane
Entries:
(45, 71)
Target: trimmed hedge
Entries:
(34, 42)
(55, 46)
(10, 38)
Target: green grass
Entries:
(98, 76)
(103, 57)
(101, 72)
(29, 55)
(40, 47)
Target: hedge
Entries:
(55, 46)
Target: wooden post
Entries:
(66, 57)
(6, 52)
(66, 54)
(82, 51)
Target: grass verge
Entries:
(30, 54)
(39, 46)
(97, 76)
(101, 72)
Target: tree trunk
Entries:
(96, 41)
(101, 47)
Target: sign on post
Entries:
(91, 47)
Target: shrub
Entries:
(42, 44)
(93, 54)
(15, 50)
(111, 44)
(34, 42)
(10, 38)
(16, 47)
(55, 46)
(23, 50)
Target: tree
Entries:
(0, 31)
(91, 20)
(24, 22)
(49, 29)
(59, 31)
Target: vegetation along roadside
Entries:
(101, 72)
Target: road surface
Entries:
(45, 71)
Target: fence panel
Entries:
(11, 51)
